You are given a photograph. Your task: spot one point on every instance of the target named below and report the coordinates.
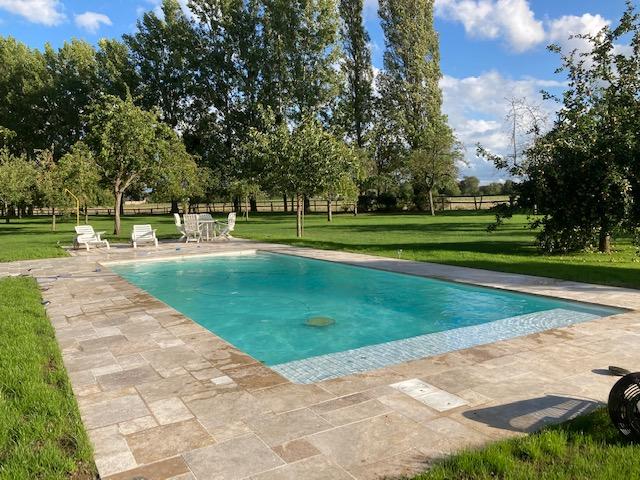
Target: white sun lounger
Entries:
(143, 234)
(85, 235)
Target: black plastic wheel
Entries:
(624, 405)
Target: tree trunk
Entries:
(246, 209)
(329, 210)
(605, 241)
(7, 212)
(299, 206)
(116, 209)
(253, 202)
(431, 207)
(174, 206)
(86, 214)
(53, 219)
(284, 202)
(307, 204)
(122, 206)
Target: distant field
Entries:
(454, 238)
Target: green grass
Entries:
(587, 448)
(41, 435)
(32, 238)
(454, 238)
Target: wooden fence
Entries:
(316, 205)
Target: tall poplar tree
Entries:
(410, 95)
(409, 83)
(356, 106)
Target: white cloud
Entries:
(477, 107)
(45, 12)
(561, 29)
(512, 20)
(91, 21)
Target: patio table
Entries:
(208, 227)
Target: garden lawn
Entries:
(587, 448)
(41, 435)
(32, 238)
(454, 238)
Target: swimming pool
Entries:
(312, 319)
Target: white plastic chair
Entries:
(229, 226)
(143, 234)
(179, 226)
(192, 230)
(85, 235)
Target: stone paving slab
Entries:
(163, 398)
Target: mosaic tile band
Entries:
(334, 365)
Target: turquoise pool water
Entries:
(261, 303)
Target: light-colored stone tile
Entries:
(316, 468)
(369, 440)
(284, 427)
(229, 460)
(112, 411)
(170, 410)
(295, 450)
(125, 378)
(167, 441)
(164, 470)
(111, 453)
(226, 406)
(137, 425)
(356, 412)
(404, 465)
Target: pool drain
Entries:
(319, 321)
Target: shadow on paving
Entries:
(532, 414)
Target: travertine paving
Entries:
(163, 398)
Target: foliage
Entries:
(41, 434)
(433, 164)
(80, 174)
(594, 139)
(50, 183)
(355, 109)
(17, 181)
(134, 147)
(470, 185)
(162, 52)
(302, 162)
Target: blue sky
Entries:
(491, 50)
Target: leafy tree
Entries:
(80, 174)
(470, 186)
(582, 175)
(131, 146)
(409, 82)
(116, 71)
(74, 86)
(178, 176)
(17, 182)
(357, 99)
(434, 164)
(23, 82)
(304, 161)
(50, 183)
(410, 101)
(161, 50)
(494, 188)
